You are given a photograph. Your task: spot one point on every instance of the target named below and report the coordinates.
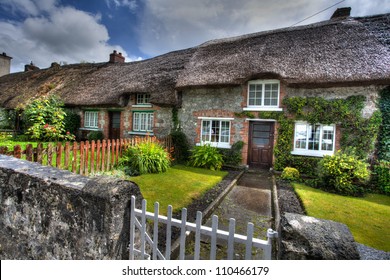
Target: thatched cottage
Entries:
(227, 90)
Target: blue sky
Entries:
(74, 31)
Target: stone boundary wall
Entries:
(47, 213)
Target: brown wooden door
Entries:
(261, 140)
(115, 125)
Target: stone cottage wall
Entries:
(220, 102)
(225, 102)
(47, 213)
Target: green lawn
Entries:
(367, 217)
(177, 187)
(23, 144)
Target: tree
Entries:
(45, 117)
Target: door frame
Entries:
(110, 122)
(272, 141)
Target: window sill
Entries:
(140, 133)
(90, 128)
(264, 109)
(217, 145)
(312, 153)
(142, 106)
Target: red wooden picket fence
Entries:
(82, 158)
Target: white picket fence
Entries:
(153, 252)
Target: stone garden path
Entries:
(248, 201)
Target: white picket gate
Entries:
(185, 228)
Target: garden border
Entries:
(208, 211)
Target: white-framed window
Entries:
(216, 132)
(143, 99)
(263, 95)
(314, 139)
(91, 119)
(143, 121)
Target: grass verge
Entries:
(178, 187)
(367, 217)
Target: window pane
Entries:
(139, 98)
(261, 141)
(91, 119)
(136, 122)
(327, 138)
(314, 137)
(205, 131)
(300, 136)
(215, 131)
(143, 121)
(225, 131)
(255, 95)
(143, 98)
(271, 94)
(150, 123)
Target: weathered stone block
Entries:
(47, 213)
(308, 238)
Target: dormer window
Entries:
(143, 99)
(263, 95)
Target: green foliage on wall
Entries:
(181, 146)
(384, 132)
(357, 131)
(72, 121)
(232, 156)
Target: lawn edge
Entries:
(208, 211)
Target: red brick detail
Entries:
(106, 127)
(244, 135)
(214, 113)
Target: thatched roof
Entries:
(322, 54)
(99, 84)
(351, 51)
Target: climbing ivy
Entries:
(357, 131)
(384, 134)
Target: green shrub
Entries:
(145, 157)
(181, 146)
(343, 173)
(384, 134)
(95, 135)
(381, 176)
(233, 155)
(290, 174)
(45, 119)
(206, 157)
(71, 121)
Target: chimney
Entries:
(341, 13)
(30, 67)
(117, 57)
(5, 64)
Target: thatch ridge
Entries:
(325, 53)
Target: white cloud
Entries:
(29, 7)
(132, 5)
(63, 34)
(175, 24)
